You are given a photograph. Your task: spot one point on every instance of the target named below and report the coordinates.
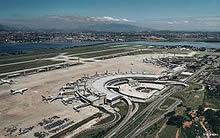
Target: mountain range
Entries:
(109, 24)
(72, 24)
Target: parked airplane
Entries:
(47, 98)
(69, 100)
(76, 109)
(51, 98)
(67, 87)
(57, 97)
(71, 83)
(3, 81)
(21, 91)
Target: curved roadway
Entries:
(131, 111)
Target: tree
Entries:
(177, 120)
(200, 110)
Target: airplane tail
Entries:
(43, 98)
(64, 102)
(12, 82)
(12, 91)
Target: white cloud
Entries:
(185, 23)
(177, 22)
(110, 19)
(170, 23)
(213, 24)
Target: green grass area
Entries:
(134, 125)
(48, 53)
(213, 119)
(85, 49)
(168, 102)
(168, 132)
(123, 107)
(24, 57)
(142, 52)
(103, 53)
(39, 63)
(194, 86)
(107, 119)
(142, 106)
(153, 130)
(95, 133)
(98, 133)
(211, 101)
(191, 97)
(143, 47)
(155, 114)
(194, 131)
(181, 110)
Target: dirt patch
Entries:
(177, 133)
(187, 124)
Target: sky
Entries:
(131, 9)
(157, 14)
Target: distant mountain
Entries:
(116, 27)
(5, 28)
(14, 28)
(75, 24)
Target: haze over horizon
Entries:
(189, 15)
